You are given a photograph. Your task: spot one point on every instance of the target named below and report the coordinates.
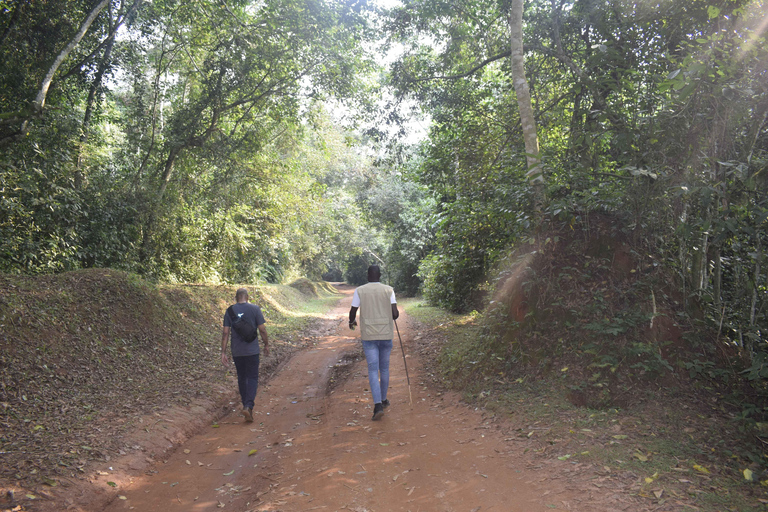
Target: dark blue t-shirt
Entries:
(251, 313)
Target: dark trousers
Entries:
(247, 378)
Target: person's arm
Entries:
(264, 338)
(224, 341)
(352, 316)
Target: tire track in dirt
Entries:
(317, 449)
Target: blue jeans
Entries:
(377, 354)
(247, 378)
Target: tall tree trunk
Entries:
(756, 282)
(89, 106)
(524, 105)
(717, 279)
(39, 102)
(149, 225)
(95, 85)
(168, 171)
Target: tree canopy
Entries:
(195, 141)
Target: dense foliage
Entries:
(186, 140)
(654, 114)
(192, 141)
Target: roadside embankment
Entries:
(92, 360)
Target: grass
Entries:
(680, 452)
(429, 315)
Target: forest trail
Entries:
(319, 450)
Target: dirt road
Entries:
(313, 446)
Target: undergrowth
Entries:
(677, 438)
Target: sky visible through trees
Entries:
(239, 141)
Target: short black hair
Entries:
(374, 273)
(241, 293)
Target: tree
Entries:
(524, 105)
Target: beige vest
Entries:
(376, 312)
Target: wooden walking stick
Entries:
(407, 378)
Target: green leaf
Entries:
(112, 484)
(230, 473)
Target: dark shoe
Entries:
(378, 412)
(385, 403)
(248, 414)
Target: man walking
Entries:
(245, 352)
(378, 309)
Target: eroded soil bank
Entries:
(313, 446)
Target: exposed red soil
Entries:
(313, 446)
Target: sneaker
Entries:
(378, 412)
(248, 414)
(385, 403)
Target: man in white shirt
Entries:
(378, 310)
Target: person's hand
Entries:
(352, 325)
(266, 351)
(224, 359)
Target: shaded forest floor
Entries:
(100, 370)
(585, 334)
(678, 448)
(93, 362)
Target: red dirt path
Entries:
(319, 450)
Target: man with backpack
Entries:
(243, 322)
(378, 309)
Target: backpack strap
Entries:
(232, 316)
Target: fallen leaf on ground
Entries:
(230, 473)
(701, 469)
